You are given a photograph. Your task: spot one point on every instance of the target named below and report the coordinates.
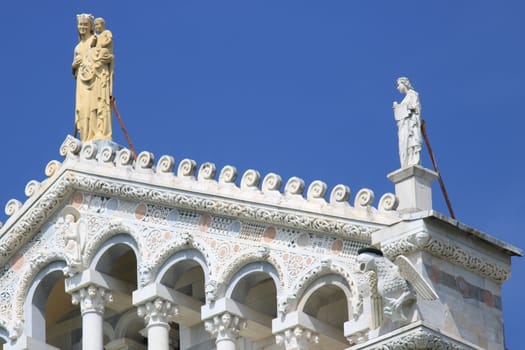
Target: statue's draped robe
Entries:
(408, 118)
(94, 83)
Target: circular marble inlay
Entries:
(204, 223)
(77, 200)
(303, 240)
(269, 234)
(337, 246)
(140, 211)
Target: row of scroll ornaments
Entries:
(250, 182)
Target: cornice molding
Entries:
(420, 338)
(447, 250)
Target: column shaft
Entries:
(158, 336)
(92, 331)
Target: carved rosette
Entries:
(157, 312)
(297, 338)
(225, 326)
(92, 299)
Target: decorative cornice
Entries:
(466, 258)
(420, 338)
(66, 178)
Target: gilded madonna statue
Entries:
(93, 70)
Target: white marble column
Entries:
(157, 314)
(225, 328)
(92, 300)
(297, 338)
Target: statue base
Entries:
(413, 187)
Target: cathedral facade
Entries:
(112, 252)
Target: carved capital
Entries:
(92, 299)
(158, 311)
(297, 338)
(225, 326)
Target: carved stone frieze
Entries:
(420, 338)
(448, 251)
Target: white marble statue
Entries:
(93, 70)
(73, 231)
(408, 118)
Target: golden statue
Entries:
(93, 70)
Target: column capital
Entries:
(157, 311)
(225, 326)
(296, 338)
(92, 298)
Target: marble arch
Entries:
(323, 281)
(101, 258)
(263, 267)
(187, 254)
(102, 239)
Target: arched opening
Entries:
(117, 261)
(254, 289)
(184, 275)
(327, 301)
(48, 306)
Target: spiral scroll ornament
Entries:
(32, 188)
(250, 179)
(52, 168)
(364, 198)
(388, 202)
(70, 146)
(340, 194)
(271, 182)
(145, 160)
(316, 190)
(124, 157)
(107, 154)
(89, 150)
(207, 171)
(12, 206)
(228, 174)
(295, 185)
(165, 164)
(187, 168)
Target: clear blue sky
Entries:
(299, 88)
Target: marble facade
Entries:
(109, 252)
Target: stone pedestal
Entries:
(413, 188)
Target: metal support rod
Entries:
(434, 163)
(122, 126)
